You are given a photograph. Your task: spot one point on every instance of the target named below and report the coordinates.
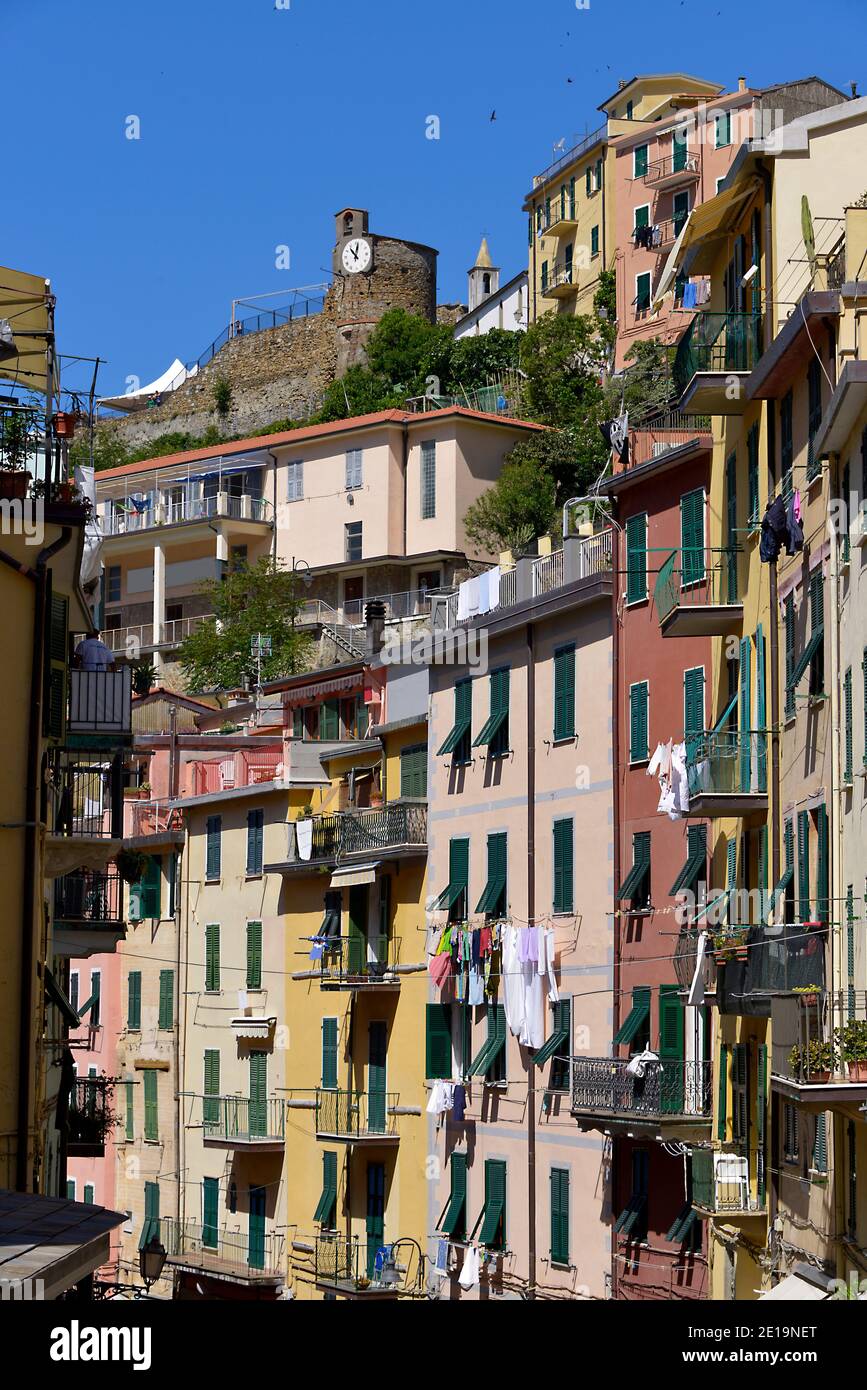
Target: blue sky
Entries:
(258, 123)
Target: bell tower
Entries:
(484, 278)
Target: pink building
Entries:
(95, 993)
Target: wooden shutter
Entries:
(692, 536)
(428, 479)
(256, 1228)
(255, 834)
(212, 855)
(638, 722)
(564, 693)
(413, 771)
(722, 1082)
(151, 1118)
(693, 701)
(377, 1042)
(150, 889)
(133, 999)
(804, 865)
(329, 720)
(822, 899)
(761, 711)
(254, 955)
(130, 1113)
(459, 862)
(493, 1232)
(258, 1094)
(438, 1042)
(211, 1107)
(563, 866)
(55, 661)
(212, 958)
(210, 1212)
(167, 999)
(560, 1216)
(847, 725)
(761, 1112)
(636, 558)
(329, 1054)
(789, 617)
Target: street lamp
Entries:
(151, 1259)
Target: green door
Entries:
(671, 1050)
(256, 1229)
(732, 528)
(375, 1213)
(258, 1094)
(376, 1044)
(356, 947)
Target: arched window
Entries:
(486, 283)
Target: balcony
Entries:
(356, 1117)
(696, 594)
(727, 772)
(360, 962)
(819, 1049)
(672, 1097)
(562, 220)
(756, 963)
(235, 1122)
(562, 283)
(88, 912)
(132, 642)
(729, 1184)
(359, 1270)
(674, 171)
(90, 1117)
(100, 703)
(241, 1257)
(159, 821)
(583, 557)
(398, 830)
(146, 512)
(246, 767)
(83, 810)
(713, 360)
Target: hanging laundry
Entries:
(794, 529)
(441, 1098)
(690, 295)
(696, 989)
(679, 782)
(476, 986)
(546, 962)
(775, 530)
(459, 1107)
(616, 435)
(440, 969)
(469, 1275)
(304, 838)
(513, 989)
(642, 1062)
(532, 1032)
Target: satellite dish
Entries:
(807, 232)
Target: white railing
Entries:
(170, 511)
(131, 641)
(548, 573)
(595, 556)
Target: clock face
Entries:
(357, 256)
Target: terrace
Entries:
(713, 361)
(672, 1097)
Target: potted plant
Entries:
(14, 451)
(131, 864)
(809, 994)
(814, 1062)
(852, 1042)
(64, 424)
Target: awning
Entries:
(253, 1027)
(54, 994)
(25, 302)
(804, 1285)
(349, 878)
(173, 377)
(709, 223)
(669, 273)
(637, 1017)
(51, 1242)
(634, 879)
(299, 694)
(493, 1044)
(696, 861)
(559, 1039)
(806, 657)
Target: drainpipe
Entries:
(39, 577)
(531, 912)
(405, 430)
(273, 458)
(615, 815)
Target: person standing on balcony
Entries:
(92, 654)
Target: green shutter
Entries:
(693, 701)
(211, 1102)
(564, 854)
(564, 693)
(493, 899)
(210, 1212)
(822, 893)
(560, 1216)
(377, 1043)
(761, 1113)
(212, 958)
(847, 725)
(789, 617)
(495, 731)
(329, 1054)
(640, 161)
(213, 831)
(150, 888)
(151, 1223)
(88, 1193)
(413, 771)
(692, 537)
(559, 1040)
(722, 1081)
(732, 527)
(256, 1228)
(753, 475)
(636, 1018)
(493, 1231)
(255, 834)
(820, 1144)
(731, 875)
(457, 741)
(493, 1047)
(326, 1212)
(151, 1118)
(761, 711)
(130, 1113)
(804, 865)
(455, 1218)
(636, 558)
(438, 1042)
(763, 871)
(133, 999)
(746, 705)
(638, 722)
(329, 720)
(254, 955)
(258, 1116)
(55, 666)
(167, 999)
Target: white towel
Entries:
(469, 1275)
(696, 989)
(494, 587)
(304, 838)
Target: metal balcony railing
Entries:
(820, 1036)
(718, 343)
(560, 277)
(139, 637)
(668, 430)
(369, 1267)
(753, 964)
(84, 794)
(726, 762)
(143, 513)
(100, 702)
(696, 578)
(238, 1119)
(728, 1182)
(89, 1117)
(683, 163)
(371, 831)
(356, 1114)
(150, 818)
(89, 898)
(215, 1248)
(353, 959)
(605, 1085)
(548, 573)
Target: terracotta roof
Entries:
(333, 427)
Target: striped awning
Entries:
(349, 878)
(253, 1027)
(300, 694)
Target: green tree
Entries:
(259, 598)
(648, 383)
(563, 356)
(521, 505)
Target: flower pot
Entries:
(811, 1000)
(13, 483)
(857, 1070)
(818, 1078)
(64, 425)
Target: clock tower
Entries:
(353, 250)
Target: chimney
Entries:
(374, 617)
(742, 84)
(854, 87)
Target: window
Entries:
(329, 720)
(642, 293)
(95, 988)
(112, 584)
(413, 771)
(639, 701)
(149, 889)
(632, 1221)
(454, 1219)
(560, 1216)
(693, 702)
(740, 1093)
(212, 958)
(354, 468)
(490, 1060)
(544, 276)
(495, 732)
(588, 180)
(213, 834)
(753, 476)
(636, 558)
(723, 129)
(639, 161)
(558, 1046)
(73, 989)
(732, 527)
(151, 1118)
(210, 1212)
(428, 479)
(129, 1131)
(151, 1224)
(438, 1042)
(453, 898)
(629, 111)
(817, 632)
(211, 1092)
(88, 1193)
(493, 1217)
(564, 692)
(458, 741)
(254, 955)
(847, 725)
(353, 546)
(329, 1054)
(814, 416)
(70, 1189)
(173, 871)
(295, 481)
(642, 216)
(563, 857)
(594, 241)
(167, 999)
(819, 1161)
(326, 1211)
(789, 623)
(133, 999)
(238, 555)
(493, 899)
(255, 836)
(791, 1133)
(635, 888)
(692, 537)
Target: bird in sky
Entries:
(493, 115)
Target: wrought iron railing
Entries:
(606, 1085)
(820, 1036)
(685, 162)
(100, 701)
(263, 1253)
(670, 429)
(349, 959)
(695, 578)
(718, 343)
(89, 897)
(560, 276)
(356, 1114)
(85, 794)
(229, 1118)
(360, 832)
(151, 818)
(727, 762)
(377, 1266)
(89, 1116)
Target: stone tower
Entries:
(484, 278)
(373, 274)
